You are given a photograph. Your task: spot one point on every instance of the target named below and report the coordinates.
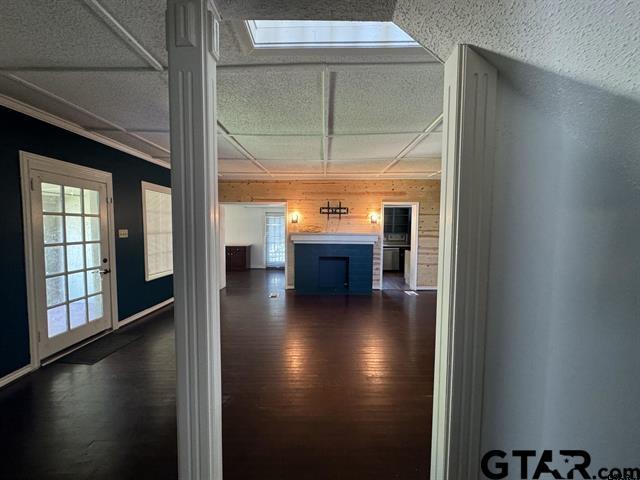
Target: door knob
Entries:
(105, 271)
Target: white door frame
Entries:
(254, 204)
(415, 212)
(463, 264)
(30, 162)
(465, 215)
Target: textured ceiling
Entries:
(102, 65)
(386, 100)
(133, 100)
(593, 42)
(374, 10)
(60, 33)
(262, 101)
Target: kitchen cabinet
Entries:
(397, 220)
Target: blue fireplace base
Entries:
(333, 269)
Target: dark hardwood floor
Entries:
(394, 281)
(313, 388)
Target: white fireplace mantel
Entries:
(335, 238)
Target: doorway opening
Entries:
(399, 246)
(253, 244)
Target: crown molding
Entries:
(51, 119)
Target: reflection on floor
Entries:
(114, 419)
(313, 388)
(394, 281)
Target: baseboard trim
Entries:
(16, 374)
(145, 312)
(290, 287)
(427, 288)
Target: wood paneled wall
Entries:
(363, 197)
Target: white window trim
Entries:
(278, 34)
(156, 188)
(244, 36)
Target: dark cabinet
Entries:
(397, 220)
(238, 257)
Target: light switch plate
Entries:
(123, 233)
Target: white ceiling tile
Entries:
(145, 20)
(354, 147)
(262, 101)
(404, 99)
(59, 33)
(430, 146)
(282, 148)
(66, 33)
(132, 100)
(238, 166)
(406, 165)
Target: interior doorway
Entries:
(253, 237)
(69, 253)
(399, 246)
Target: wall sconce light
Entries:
(294, 218)
(374, 218)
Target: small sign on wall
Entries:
(123, 233)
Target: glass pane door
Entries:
(74, 259)
(274, 240)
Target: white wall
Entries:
(562, 357)
(564, 296)
(244, 225)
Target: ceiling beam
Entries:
(326, 106)
(83, 110)
(406, 150)
(103, 14)
(238, 146)
(333, 67)
(27, 68)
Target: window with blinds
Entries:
(158, 241)
(274, 240)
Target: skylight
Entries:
(327, 34)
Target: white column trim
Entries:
(463, 264)
(192, 42)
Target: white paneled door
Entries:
(70, 258)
